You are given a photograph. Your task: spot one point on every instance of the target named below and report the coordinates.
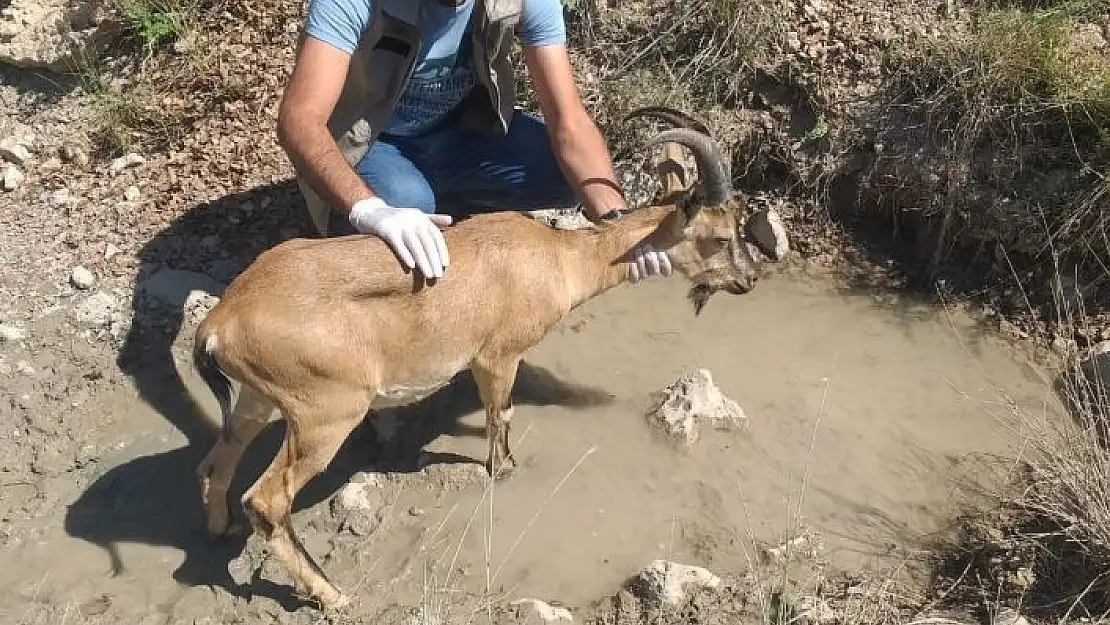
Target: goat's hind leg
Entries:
(251, 414)
(312, 439)
(495, 377)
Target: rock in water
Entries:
(536, 612)
(678, 408)
(665, 583)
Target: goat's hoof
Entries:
(334, 601)
(226, 530)
(218, 530)
(503, 472)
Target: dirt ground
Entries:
(868, 418)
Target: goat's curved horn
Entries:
(711, 165)
(671, 116)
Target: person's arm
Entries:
(577, 142)
(311, 95)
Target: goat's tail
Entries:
(205, 350)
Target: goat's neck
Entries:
(602, 260)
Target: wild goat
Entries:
(325, 330)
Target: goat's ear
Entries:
(765, 229)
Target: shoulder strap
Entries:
(407, 11)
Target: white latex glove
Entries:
(413, 234)
(647, 261)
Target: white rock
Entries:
(61, 197)
(110, 251)
(354, 496)
(11, 334)
(132, 194)
(678, 408)
(669, 583)
(82, 278)
(14, 151)
(75, 155)
(804, 545)
(13, 178)
(767, 228)
(1009, 616)
(24, 367)
(360, 509)
(127, 160)
(535, 612)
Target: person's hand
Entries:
(413, 234)
(647, 261)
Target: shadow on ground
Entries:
(154, 499)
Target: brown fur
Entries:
(321, 329)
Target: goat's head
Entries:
(711, 236)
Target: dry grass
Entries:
(1021, 103)
(1044, 546)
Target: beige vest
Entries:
(383, 62)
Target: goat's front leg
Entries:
(495, 377)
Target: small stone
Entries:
(110, 251)
(414, 511)
(11, 334)
(1024, 578)
(359, 513)
(13, 178)
(767, 227)
(14, 152)
(1063, 346)
(82, 278)
(24, 367)
(198, 304)
(535, 612)
(132, 194)
(51, 164)
(353, 496)
(784, 552)
(61, 197)
(75, 155)
(1009, 616)
(131, 159)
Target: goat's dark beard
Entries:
(700, 295)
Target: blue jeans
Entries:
(460, 172)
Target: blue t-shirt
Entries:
(444, 71)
